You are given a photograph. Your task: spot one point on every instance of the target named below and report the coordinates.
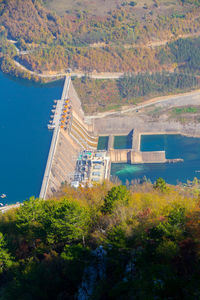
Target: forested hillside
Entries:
(130, 37)
(100, 95)
(104, 242)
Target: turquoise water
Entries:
(103, 143)
(176, 146)
(25, 109)
(123, 142)
(120, 142)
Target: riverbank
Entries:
(16, 69)
(154, 115)
(13, 68)
(8, 207)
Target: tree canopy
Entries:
(110, 241)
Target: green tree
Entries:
(29, 218)
(5, 258)
(69, 222)
(177, 216)
(54, 222)
(161, 185)
(116, 194)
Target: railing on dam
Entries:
(54, 140)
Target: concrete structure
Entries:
(136, 138)
(110, 142)
(134, 155)
(67, 141)
(55, 138)
(91, 167)
(70, 140)
(147, 157)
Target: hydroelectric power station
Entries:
(73, 155)
(71, 136)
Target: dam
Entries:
(73, 156)
(71, 135)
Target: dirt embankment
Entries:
(157, 115)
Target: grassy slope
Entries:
(103, 7)
(97, 7)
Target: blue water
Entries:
(25, 109)
(176, 146)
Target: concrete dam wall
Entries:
(146, 157)
(64, 162)
(133, 157)
(69, 143)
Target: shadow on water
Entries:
(123, 141)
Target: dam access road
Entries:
(58, 113)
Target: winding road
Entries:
(106, 75)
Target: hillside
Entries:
(105, 242)
(130, 37)
(95, 7)
(98, 95)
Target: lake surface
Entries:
(25, 110)
(176, 146)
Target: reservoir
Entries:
(176, 146)
(25, 109)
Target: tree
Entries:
(53, 222)
(68, 223)
(177, 216)
(116, 194)
(161, 185)
(5, 258)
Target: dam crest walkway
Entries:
(55, 137)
